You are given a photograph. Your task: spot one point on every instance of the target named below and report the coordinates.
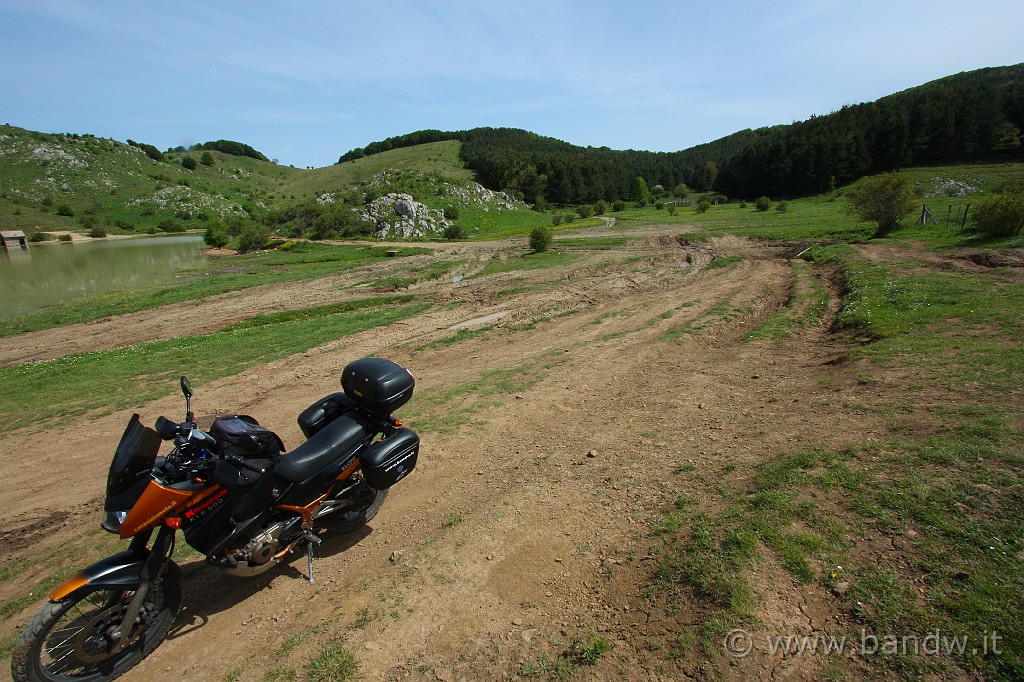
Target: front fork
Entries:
(152, 570)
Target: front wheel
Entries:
(74, 639)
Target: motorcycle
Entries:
(235, 498)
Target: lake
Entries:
(48, 273)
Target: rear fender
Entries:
(120, 570)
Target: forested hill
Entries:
(971, 116)
(543, 169)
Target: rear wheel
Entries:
(363, 504)
(74, 639)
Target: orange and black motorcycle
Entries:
(236, 499)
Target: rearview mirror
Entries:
(186, 387)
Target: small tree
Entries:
(254, 236)
(641, 194)
(540, 239)
(884, 200)
(216, 235)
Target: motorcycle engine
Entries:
(257, 555)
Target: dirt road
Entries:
(552, 441)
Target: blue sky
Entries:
(304, 82)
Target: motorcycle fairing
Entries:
(156, 502)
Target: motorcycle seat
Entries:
(338, 438)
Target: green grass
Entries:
(126, 377)
(724, 262)
(807, 307)
(725, 311)
(333, 664)
(591, 243)
(530, 261)
(449, 410)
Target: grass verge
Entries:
(126, 377)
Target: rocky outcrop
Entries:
(399, 215)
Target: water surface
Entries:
(43, 274)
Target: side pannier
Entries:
(388, 461)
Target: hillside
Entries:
(78, 182)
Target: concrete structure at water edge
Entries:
(12, 237)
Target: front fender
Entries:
(119, 570)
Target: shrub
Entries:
(556, 219)
(41, 237)
(206, 159)
(216, 235)
(703, 205)
(454, 232)
(659, 205)
(601, 207)
(126, 225)
(585, 211)
(782, 207)
(98, 232)
(618, 205)
(451, 213)
(189, 163)
(671, 209)
(762, 204)
(170, 226)
(540, 239)
(1001, 215)
(254, 236)
(65, 237)
(884, 200)
(65, 210)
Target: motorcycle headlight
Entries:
(112, 521)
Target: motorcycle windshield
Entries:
(134, 456)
